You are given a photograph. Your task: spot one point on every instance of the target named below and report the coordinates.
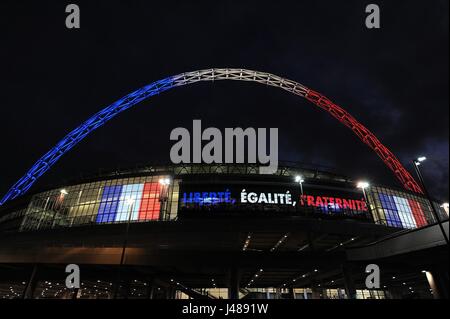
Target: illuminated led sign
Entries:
(273, 198)
(207, 198)
(333, 202)
(267, 198)
(240, 197)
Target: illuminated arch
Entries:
(47, 161)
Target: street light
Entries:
(363, 185)
(419, 160)
(164, 181)
(58, 204)
(416, 165)
(163, 195)
(299, 179)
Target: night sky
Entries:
(394, 80)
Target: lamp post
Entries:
(57, 206)
(130, 201)
(416, 163)
(299, 179)
(163, 196)
(363, 185)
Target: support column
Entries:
(316, 293)
(150, 291)
(340, 294)
(117, 286)
(395, 293)
(127, 289)
(170, 292)
(316, 290)
(233, 286)
(75, 293)
(305, 293)
(277, 293)
(173, 293)
(28, 292)
(438, 281)
(350, 289)
(292, 293)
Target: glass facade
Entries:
(137, 199)
(400, 209)
(144, 199)
(370, 294)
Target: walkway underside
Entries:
(190, 255)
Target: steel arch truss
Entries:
(100, 118)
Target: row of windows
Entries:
(399, 209)
(145, 199)
(135, 199)
(300, 293)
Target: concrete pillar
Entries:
(349, 284)
(291, 293)
(277, 293)
(171, 292)
(28, 292)
(438, 281)
(150, 293)
(395, 293)
(316, 293)
(75, 293)
(150, 288)
(167, 293)
(305, 294)
(127, 289)
(233, 286)
(117, 286)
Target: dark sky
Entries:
(394, 80)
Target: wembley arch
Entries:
(102, 117)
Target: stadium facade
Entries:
(222, 231)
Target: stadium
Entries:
(221, 231)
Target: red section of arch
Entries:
(367, 137)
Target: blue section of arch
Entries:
(68, 142)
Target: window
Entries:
(150, 204)
(109, 204)
(417, 212)
(391, 212)
(130, 200)
(404, 212)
